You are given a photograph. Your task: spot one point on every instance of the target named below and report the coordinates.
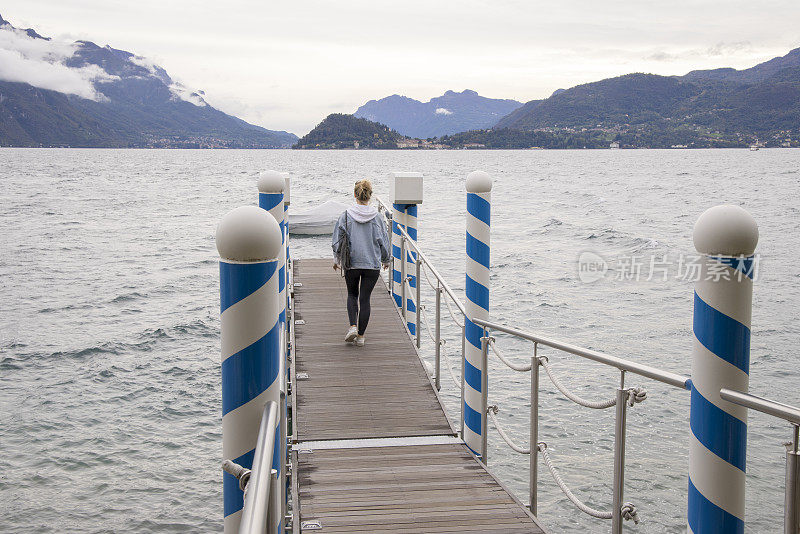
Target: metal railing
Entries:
(262, 494)
(791, 508)
(624, 396)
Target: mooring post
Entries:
(286, 201)
(406, 194)
(272, 198)
(726, 237)
(398, 221)
(479, 187)
(249, 244)
(271, 185)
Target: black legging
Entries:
(358, 301)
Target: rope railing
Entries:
(523, 368)
(424, 315)
(492, 412)
(629, 511)
(636, 395)
(445, 299)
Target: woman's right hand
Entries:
(336, 267)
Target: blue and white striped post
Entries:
(406, 194)
(479, 197)
(286, 201)
(398, 221)
(726, 237)
(411, 258)
(271, 186)
(248, 241)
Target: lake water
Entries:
(109, 318)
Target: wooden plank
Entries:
(379, 390)
(419, 488)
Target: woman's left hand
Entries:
(336, 267)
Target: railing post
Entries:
(618, 484)
(533, 482)
(791, 512)
(418, 300)
(403, 276)
(274, 517)
(484, 396)
(479, 187)
(438, 358)
(726, 237)
(249, 244)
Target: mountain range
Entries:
(447, 114)
(84, 95)
(718, 107)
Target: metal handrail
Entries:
(260, 495)
(760, 404)
(791, 509)
(624, 395)
(673, 379)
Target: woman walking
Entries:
(360, 247)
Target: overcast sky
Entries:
(286, 65)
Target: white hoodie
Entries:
(361, 213)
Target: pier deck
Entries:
(374, 451)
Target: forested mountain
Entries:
(346, 131)
(84, 95)
(447, 114)
(721, 107)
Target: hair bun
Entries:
(363, 190)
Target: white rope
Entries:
(446, 297)
(581, 506)
(521, 368)
(424, 315)
(425, 272)
(628, 509)
(442, 352)
(597, 405)
(450, 310)
(491, 413)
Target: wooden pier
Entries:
(373, 450)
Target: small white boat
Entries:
(316, 221)
(754, 147)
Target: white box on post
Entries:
(287, 190)
(405, 187)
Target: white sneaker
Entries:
(360, 341)
(351, 334)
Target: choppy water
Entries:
(109, 330)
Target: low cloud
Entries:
(443, 111)
(719, 49)
(40, 63)
(181, 92)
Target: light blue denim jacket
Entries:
(369, 242)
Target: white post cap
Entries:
(248, 233)
(726, 230)
(479, 182)
(271, 182)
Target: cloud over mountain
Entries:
(42, 63)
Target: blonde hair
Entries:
(363, 190)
